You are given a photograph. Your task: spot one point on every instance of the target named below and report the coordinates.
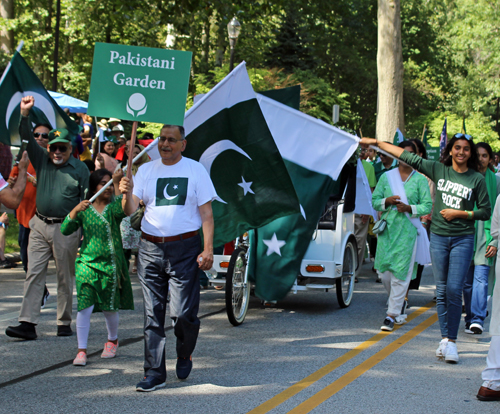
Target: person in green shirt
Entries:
(362, 221)
(62, 182)
(459, 188)
(485, 250)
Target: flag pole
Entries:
(423, 132)
(18, 49)
(147, 149)
(131, 149)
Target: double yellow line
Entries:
(346, 379)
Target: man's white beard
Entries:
(58, 162)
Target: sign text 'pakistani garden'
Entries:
(139, 83)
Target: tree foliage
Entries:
(450, 56)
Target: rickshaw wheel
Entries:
(237, 290)
(345, 284)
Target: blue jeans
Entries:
(476, 294)
(451, 257)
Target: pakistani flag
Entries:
(314, 153)
(398, 137)
(227, 133)
(18, 81)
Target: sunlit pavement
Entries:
(305, 355)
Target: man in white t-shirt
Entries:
(178, 195)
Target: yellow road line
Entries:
(316, 376)
(355, 373)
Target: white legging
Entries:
(83, 325)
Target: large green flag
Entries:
(314, 153)
(227, 133)
(19, 80)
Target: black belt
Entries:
(49, 220)
(156, 239)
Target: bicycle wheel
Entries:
(345, 284)
(237, 289)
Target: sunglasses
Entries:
(61, 148)
(44, 135)
(170, 140)
(467, 137)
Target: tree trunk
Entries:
(390, 113)
(7, 36)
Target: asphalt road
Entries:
(305, 355)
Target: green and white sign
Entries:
(433, 153)
(139, 83)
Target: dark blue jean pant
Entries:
(162, 267)
(451, 258)
(476, 294)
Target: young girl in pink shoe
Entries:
(102, 279)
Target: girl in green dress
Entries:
(102, 279)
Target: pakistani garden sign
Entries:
(139, 83)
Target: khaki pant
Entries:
(45, 242)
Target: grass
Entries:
(11, 244)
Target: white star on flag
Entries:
(274, 245)
(246, 186)
(176, 187)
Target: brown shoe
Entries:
(487, 394)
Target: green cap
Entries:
(59, 135)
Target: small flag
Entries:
(443, 140)
(398, 137)
(20, 81)
(424, 137)
(464, 130)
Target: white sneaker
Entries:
(476, 328)
(451, 355)
(401, 319)
(441, 351)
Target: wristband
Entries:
(469, 215)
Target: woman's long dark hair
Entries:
(95, 178)
(472, 162)
(420, 147)
(404, 144)
(487, 148)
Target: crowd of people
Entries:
(441, 212)
(463, 232)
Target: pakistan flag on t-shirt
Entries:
(171, 191)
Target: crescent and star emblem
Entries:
(41, 102)
(166, 195)
(213, 151)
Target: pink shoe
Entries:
(81, 359)
(109, 350)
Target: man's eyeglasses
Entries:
(170, 140)
(467, 137)
(61, 148)
(44, 135)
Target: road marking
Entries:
(316, 376)
(355, 373)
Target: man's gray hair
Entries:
(179, 127)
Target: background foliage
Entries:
(449, 51)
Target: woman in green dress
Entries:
(403, 195)
(102, 279)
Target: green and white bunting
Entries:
(20, 81)
(227, 133)
(314, 153)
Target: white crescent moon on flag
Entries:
(41, 102)
(168, 196)
(213, 151)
